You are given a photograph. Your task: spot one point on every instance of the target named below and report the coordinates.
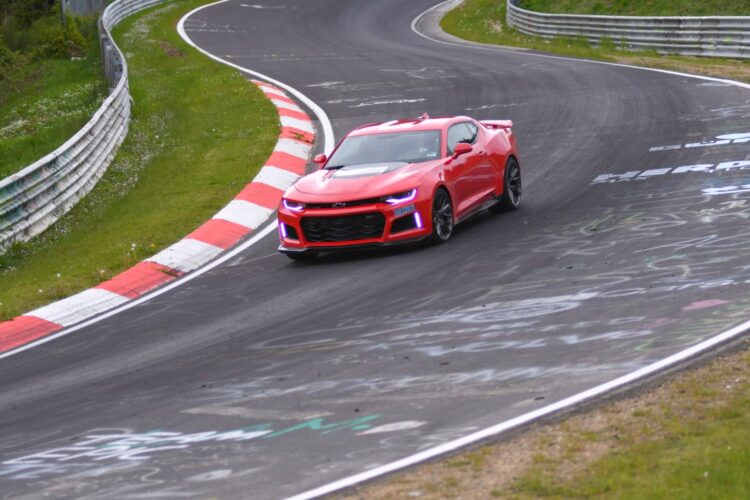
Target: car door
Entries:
(488, 176)
(465, 170)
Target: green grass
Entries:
(53, 105)
(483, 21)
(641, 8)
(701, 450)
(199, 132)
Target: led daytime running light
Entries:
(402, 197)
(418, 220)
(294, 206)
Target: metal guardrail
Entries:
(37, 196)
(84, 7)
(716, 36)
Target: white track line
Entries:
(554, 407)
(328, 145)
(526, 417)
(325, 123)
(546, 56)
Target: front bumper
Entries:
(355, 227)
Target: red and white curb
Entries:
(241, 216)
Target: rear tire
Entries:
(511, 197)
(442, 217)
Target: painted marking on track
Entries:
(256, 413)
(394, 101)
(704, 168)
(721, 140)
(560, 405)
(744, 188)
(256, 6)
(324, 84)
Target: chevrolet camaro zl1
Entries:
(401, 182)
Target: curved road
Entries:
(265, 378)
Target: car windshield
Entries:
(406, 147)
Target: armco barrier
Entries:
(717, 36)
(34, 198)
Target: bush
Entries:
(12, 70)
(50, 40)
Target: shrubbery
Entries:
(50, 40)
(13, 70)
(33, 31)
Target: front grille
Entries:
(344, 228)
(343, 204)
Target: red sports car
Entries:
(401, 182)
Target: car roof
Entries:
(409, 125)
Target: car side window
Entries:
(461, 132)
(472, 129)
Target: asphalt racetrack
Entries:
(266, 378)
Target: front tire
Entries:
(511, 198)
(442, 217)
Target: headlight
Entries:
(294, 206)
(403, 197)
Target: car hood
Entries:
(360, 181)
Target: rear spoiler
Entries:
(497, 124)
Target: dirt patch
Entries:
(170, 49)
(565, 449)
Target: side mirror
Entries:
(320, 159)
(462, 148)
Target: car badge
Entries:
(338, 205)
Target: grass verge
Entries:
(650, 8)
(483, 21)
(685, 438)
(199, 133)
(59, 98)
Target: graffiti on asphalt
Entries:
(704, 168)
(721, 140)
(125, 447)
